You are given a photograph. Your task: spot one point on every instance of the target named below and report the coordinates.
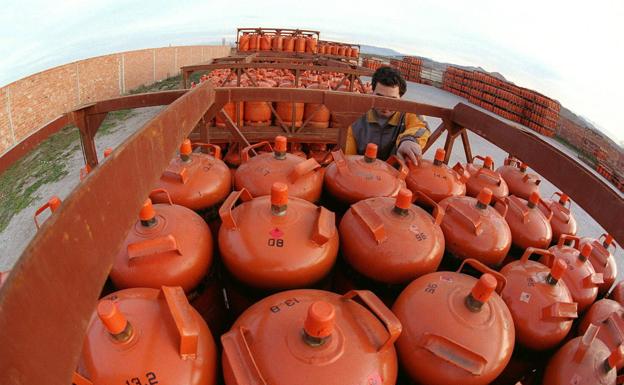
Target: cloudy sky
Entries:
(569, 50)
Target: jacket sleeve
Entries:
(351, 146)
(416, 130)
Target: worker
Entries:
(394, 132)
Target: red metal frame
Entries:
(49, 297)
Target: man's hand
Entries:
(409, 150)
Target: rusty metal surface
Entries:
(28, 144)
(50, 295)
(52, 290)
(584, 187)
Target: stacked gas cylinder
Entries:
(294, 42)
(361, 272)
(284, 114)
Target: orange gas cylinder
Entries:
(147, 336)
(232, 158)
(354, 52)
(311, 45)
(194, 179)
(348, 52)
(243, 42)
(529, 226)
(539, 301)
(435, 179)
(322, 48)
(484, 176)
(473, 229)
(312, 337)
(583, 360)
(320, 153)
(520, 183)
(169, 245)
(300, 44)
(562, 221)
(287, 111)
(278, 43)
(53, 204)
(390, 240)
(230, 110)
(317, 115)
(289, 44)
(253, 42)
(580, 278)
(603, 260)
(276, 242)
(265, 43)
(617, 293)
(341, 50)
(304, 178)
(351, 178)
(456, 328)
(609, 315)
(333, 50)
(258, 113)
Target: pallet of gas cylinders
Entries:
(276, 269)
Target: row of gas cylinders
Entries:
(293, 43)
(273, 77)
(449, 327)
(289, 113)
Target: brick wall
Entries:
(29, 103)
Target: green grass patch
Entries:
(45, 164)
(112, 120)
(172, 83)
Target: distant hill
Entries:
(372, 50)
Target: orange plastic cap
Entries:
(404, 199)
(279, 194)
(534, 198)
(485, 196)
(440, 154)
(280, 143)
(616, 357)
(488, 162)
(587, 250)
(147, 211)
(483, 289)
(114, 321)
(371, 151)
(608, 239)
(54, 203)
(107, 152)
(564, 198)
(558, 269)
(185, 147)
(320, 320)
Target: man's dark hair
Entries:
(389, 77)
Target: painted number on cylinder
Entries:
(431, 288)
(150, 379)
(275, 242)
(288, 303)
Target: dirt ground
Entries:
(21, 228)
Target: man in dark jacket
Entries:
(404, 134)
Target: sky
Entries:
(571, 51)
